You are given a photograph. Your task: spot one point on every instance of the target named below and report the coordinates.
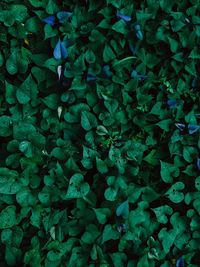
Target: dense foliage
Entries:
(99, 129)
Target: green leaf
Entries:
(16, 63)
(27, 91)
(36, 3)
(123, 209)
(25, 198)
(120, 26)
(162, 212)
(26, 148)
(168, 171)
(165, 124)
(77, 187)
(51, 101)
(111, 193)
(5, 126)
(108, 53)
(109, 234)
(8, 181)
(12, 64)
(49, 31)
(88, 120)
(102, 214)
(197, 183)
(190, 153)
(101, 166)
(101, 130)
(167, 239)
(8, 217)
(174, 194)
(173, 44)
(51, 7)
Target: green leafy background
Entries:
(93, 169)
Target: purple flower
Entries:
(180, 262)
(50, 20)
(193, 128)
(122, 16)
(180, 126)
(172, 103)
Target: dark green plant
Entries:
(99, 131)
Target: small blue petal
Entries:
(172, 103)
(196, 82)
(142, 77)
(63, 16)
(198, 163)
(60, 51)
(57, 51)
(139, 35)
(107, 71)
(180, 126)
(50, 20)
(63, 50)
(180, 262)
(137, 27)
(133, 49)
(193, 128)
(134, 74)
(124, 17)
(91, 77)
(121, 228)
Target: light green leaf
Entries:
(77, 187)
(168, 171)
(109, 234)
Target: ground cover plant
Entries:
(99, 128)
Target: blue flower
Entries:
(91, 77)
(133, 48)
(172, 103)
(140, 77)
(63, 16)
(124, 17)
(121, 228)
(138, 32)
(50, 20)
(180, 126)
(180, 262)
(198, 163)
(195, 82)
(107, 71)
(137, 27)
(60, 51)
(193, 128)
